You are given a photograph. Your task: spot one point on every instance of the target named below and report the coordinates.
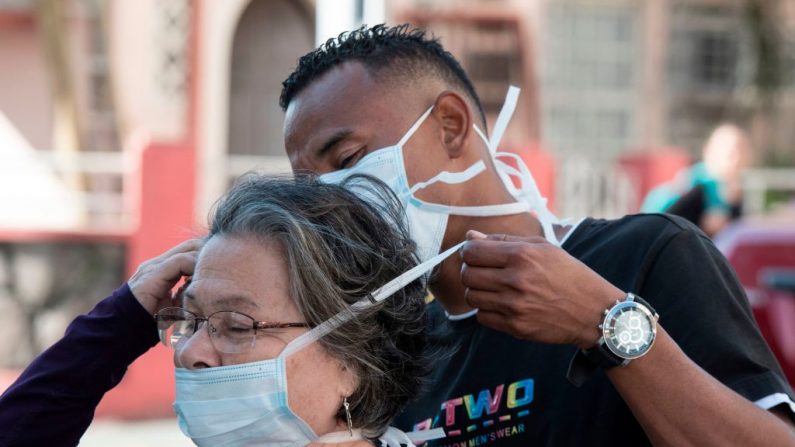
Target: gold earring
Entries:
(348, 414)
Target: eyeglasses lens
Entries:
(174, 325)
(230, 332)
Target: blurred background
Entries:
(121, 121)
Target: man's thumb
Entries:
(473, 235)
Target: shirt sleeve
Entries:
(52, 403)
(704, 308)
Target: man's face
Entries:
(347, 114)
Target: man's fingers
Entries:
(473, 235)
(485, 300)
(498, 254)
(486, 253)
(482, 278)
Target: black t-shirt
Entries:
(496, 390)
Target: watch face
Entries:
(629, 330)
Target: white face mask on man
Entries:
(427, 221)
(246, 404)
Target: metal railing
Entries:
(100, 194)
(593, 187)
(758, 182)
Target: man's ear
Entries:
(452, 111)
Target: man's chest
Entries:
(495, 390)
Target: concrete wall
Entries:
(25, 96)
(146, 93)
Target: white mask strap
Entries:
(508, 107)
(452, 178)
(406, 278)
(379, 295)
(504, 117)
(409, 133)
(528, 190)
(481, 134)
(502, 209)
(500, 125)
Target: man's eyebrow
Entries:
(333, 140)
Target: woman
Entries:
(282, 256)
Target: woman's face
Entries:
(248, 276)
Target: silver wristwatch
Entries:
(628, 331)
(629, 328)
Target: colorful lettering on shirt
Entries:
(484, 402)
(449, 409)
(523, 388)
(484, 439)
(483, 409)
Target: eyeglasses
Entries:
(230, 332)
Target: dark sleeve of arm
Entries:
(53, 401)
(705, 310)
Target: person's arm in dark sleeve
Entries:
(52, 403)
(709, 365)
(707, 313)
(696, 384)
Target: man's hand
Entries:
(151, 284)
(533, 290)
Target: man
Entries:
(519, 309)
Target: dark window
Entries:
(715, 59)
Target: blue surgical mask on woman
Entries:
(247, 405)
(427, 221)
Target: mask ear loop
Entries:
(384, 292)
(508, 108)
(529, 192)
(451, 178)
(409, 133)
(528, 189)
(511, 99)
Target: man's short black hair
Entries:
(400, 51)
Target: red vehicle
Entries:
(763, 254)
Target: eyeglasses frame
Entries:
(197, 320)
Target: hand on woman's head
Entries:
(152, 282)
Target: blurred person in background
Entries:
(709, 193)
(530, 296)
(282, 335)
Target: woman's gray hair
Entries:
(339, 250)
